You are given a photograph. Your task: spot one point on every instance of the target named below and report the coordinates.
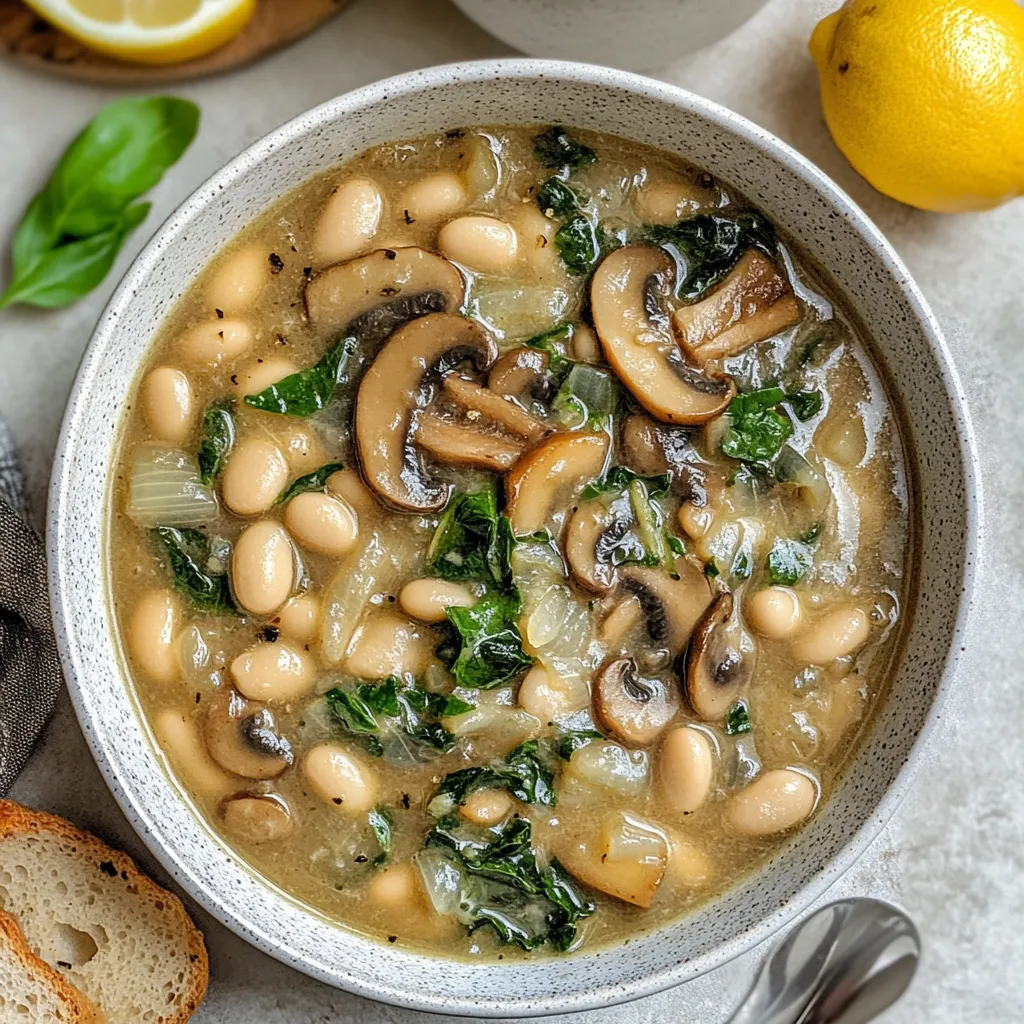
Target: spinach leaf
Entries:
(382, 825)
(491, 647)
(757, 430)
(465, 543)
(523, 774)
(710, 245)
(805, 404)
(577, 245)
(305, 392)
(711, 570)
(588, 395)
(618, 479)
(497, 882)
(315, 481)
(74, 227)
(188, 554)
(789, 560)
(675, 546)
(809, 349)
(738, 720)
(556, 197)
(218, 438)
(569, 742)
(557, 149)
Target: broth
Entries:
(524, 629)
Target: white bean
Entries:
(484, 244)
(299, 619)
(259, 375)
(536, 235)
(689, 865)
(695, 520)
(239, 281)
(544, 694)
(348, 485)
(486, 806)
(151, 631)
(433, 197)
(166, 397)
(686, 768)
(837, 633)
(349, 221)
(179, 739)
(273, 672)
(254, 476)
(427, 599)
(322, 523)
(776, 801)
(396, 886)
(301, 447)
(215, 343)
(665, 202)
(263, 567)
(388, 645)
(845, 442)
(774, 612)
(340, 778)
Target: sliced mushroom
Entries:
(672, 604)
(463, 445)
(594, 533)
(521, 373)
(242, 737)
(399, 380)
(479, 402)
(625, 297)
(373, 295)
(651, 448)
(716, 666)
(257, 819)
(557, 469)
(754, 302)
(632, 709)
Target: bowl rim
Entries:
(402, 86)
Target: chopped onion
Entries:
(792, 469)
(346, 596)
(483, 169)
(442, 880)
(166, 490)
(611, 766)
(518, 311)
(628, 838)
(547, 620)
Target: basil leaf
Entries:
(382, 825)
(805, 404)
(217, 440)
(305, 392)
(315, 481)
(557, 149)
(738, 720)
(569, 742)
(618, 479)
(490, 650)
(555, 197)
(757, 431)
(188, 552)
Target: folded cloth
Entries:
(30, 676)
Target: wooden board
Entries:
(29, 40)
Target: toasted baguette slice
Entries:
(31, 990)
(89, 912)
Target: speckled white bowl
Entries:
(834, 233)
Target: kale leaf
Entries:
(306, 392)
(382, 825)
(618, 479)
(568, 743)
(557, 197)
(217, 440)
(805, 404)
(315, 481)
(556, 149)
(578, 245)
(490, 650)
(188, 555)
(789, 560)
(471, 541)
(523, 773)
(757, 430)
(738, 720)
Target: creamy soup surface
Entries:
(510, 541)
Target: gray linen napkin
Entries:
(30, 675)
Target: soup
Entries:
(510, 541)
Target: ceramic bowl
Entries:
(834, 234)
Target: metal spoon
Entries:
(844, 964)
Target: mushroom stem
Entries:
(463, 445)
(483, 402)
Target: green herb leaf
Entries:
(710, 245)
(305, 392)
(788, 560)
(218, 438)
(464, 545)
(72, 230)
(809, 349)
(711, 570)
(569, 742)
(578, 245)
(188, 554)
(382, 825)
(805, 404)
(738, 720)
(556, 197)
(554, 343)
(557, 149)
(618, 479)
(523, 774)
(756, 429)
(315, 481)
(490, 645)
(675, 545)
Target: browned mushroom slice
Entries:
(672, 604)
(594, 531)
(388, 287)
(242, 738)
(557, 469)
(256, 818)
(650, 448)
(625, 296)
(633, 710)
(716, 666)
(521, 373)
(401, 379)
(754, 302)
(482, 402)
(464, 445)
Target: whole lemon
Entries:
(926, 97)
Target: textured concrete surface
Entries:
(954, 854)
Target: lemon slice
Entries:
(149, 31)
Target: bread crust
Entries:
(16, 819)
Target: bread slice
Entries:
(31, 990)
(89, 912)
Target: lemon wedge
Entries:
(149, 31)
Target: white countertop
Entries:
(954, 854)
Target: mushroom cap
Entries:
(372, 295)
(521, 372)
(594, 529)
(638, 342)
(402, 379)
(672, 604)
(715, 669)
(560, 466)
(242, 738)
(633, 710)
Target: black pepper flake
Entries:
(307, 271)
(276, 263)
(220, 334)
(407, 218)
(388, 291)
(391, 598)
(199, 697)
(64, 964)
(705, 180)
(269, 634)
(337, 800)
(362, 858)
(390, 254)
(392, 938)
(260, 360)
(220, 313)
(844, 67)
(405, 800)
(282, 340)
(294, 249)
(234, 378)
